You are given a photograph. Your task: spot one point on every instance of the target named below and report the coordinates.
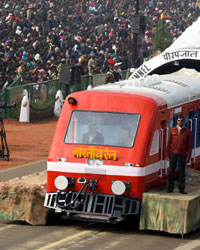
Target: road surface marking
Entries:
(6, 227)
(189, 246)
(24, 165)
(71, 237)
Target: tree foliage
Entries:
(163, 38)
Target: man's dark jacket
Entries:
(180, 143)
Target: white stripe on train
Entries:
(110, 169)
(105, 169)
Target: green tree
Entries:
(163, 38)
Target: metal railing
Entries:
(43, 94)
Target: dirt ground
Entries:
(27, 142)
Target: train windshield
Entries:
(102, 128)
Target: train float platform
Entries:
(174, 213)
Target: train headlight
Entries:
(72, 101)
(99, 162)
(61, 182)
(128, 164)
(91, 161)
(120, 187)
(96, 162)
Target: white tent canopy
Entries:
(183, 53)
(190, 38)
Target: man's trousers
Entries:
(173, 160)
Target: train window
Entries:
(155, 143)
(102, 128)
(198, 128)
(175, 120)
(193, 125)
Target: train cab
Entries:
(110, 146)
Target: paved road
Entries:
(75, 235)
(23, 170)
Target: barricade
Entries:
(42, 95)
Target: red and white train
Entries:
(93, 172)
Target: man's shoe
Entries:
(169, 191)
(183, 192)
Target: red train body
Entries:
(104, 180)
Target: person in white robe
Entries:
(25, 108)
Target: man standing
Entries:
(92, 67)
(179, 150)
(93, 136)
(117, 72)
(110, 75)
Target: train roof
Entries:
(174, 89)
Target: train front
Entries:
(96, 161)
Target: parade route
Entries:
(27, 142)
(73, 234)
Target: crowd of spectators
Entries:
(36, 36)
